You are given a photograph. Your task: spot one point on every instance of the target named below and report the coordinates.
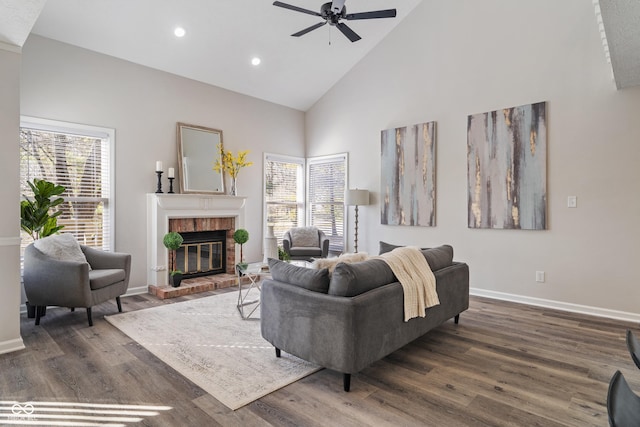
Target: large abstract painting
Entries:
(507, 168)
(408, 177)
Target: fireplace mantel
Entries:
(162, 207)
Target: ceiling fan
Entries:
(332, 13)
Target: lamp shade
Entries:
(356, 197)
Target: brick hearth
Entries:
(197, 285)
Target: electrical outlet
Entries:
(572, 202)
(540, 276)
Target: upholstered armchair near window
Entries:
(304, 243)
(73, 275)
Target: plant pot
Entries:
(176, 279)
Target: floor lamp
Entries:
(356, 198)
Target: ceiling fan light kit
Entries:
(332, 13)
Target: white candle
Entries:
(171, 173)
(158, 166)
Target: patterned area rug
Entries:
(207, 342)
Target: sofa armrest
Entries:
(105, 260)
(324, 244)
(286, 242)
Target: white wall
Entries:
(449, 59)
(10, 195)
(63, 82)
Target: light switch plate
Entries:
(572, 202)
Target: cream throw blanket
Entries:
(417, 280)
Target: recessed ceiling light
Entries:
(255, 61)
(179, 32)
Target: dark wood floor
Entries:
(505, 364)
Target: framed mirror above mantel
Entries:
(198, 149)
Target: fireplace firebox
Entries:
(202, 253)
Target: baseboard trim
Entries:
(11, 345)
(558, 305)
(137, 291)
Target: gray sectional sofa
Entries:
(354, 317)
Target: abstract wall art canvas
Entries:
(507, 168)
(408, 177)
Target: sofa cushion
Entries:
(438, 258)
(61, 247)
(331, 263)
(308, 278)
(99, 279)
(349, 280)
(388, 247)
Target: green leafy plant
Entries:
(283, 255)
(172, 241)
(36, 217)
(241, 236)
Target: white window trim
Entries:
(326, 159)
(86, 130)
(302, 196)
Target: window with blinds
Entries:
(77, 157)
(325, 197)
(283, 193)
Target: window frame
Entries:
(301, 189)
(80, 129)
(330, 158)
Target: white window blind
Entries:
(283, 193)
(77, 157)
(325, 197)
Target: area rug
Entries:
(207, 341)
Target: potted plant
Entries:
(172, 241)
(241, 236)
(231, 164)
(36, 218)
(283, 255)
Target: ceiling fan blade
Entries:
(351, 35)
(295, 8)
(388, 13)
(311, 28)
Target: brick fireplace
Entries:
(190, 213)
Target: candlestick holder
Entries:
(159, 189)
(171, 185)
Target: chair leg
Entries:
(456, 319)
(89, 316)
(277, 352)
(119, 304)
(347, 382)
(38, 314)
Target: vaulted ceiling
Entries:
(223, 36)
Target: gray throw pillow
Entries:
(349, 280)
(388, 247)
(307, 278)
(439, 257)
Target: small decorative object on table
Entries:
(228, 163)
(173, 241)
(241, 236)
(159, 173)
(171, 176)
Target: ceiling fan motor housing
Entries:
(331, 17)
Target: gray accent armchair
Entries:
(304, 243)
(50, 282)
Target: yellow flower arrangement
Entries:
(228, 163)
(231, 164)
